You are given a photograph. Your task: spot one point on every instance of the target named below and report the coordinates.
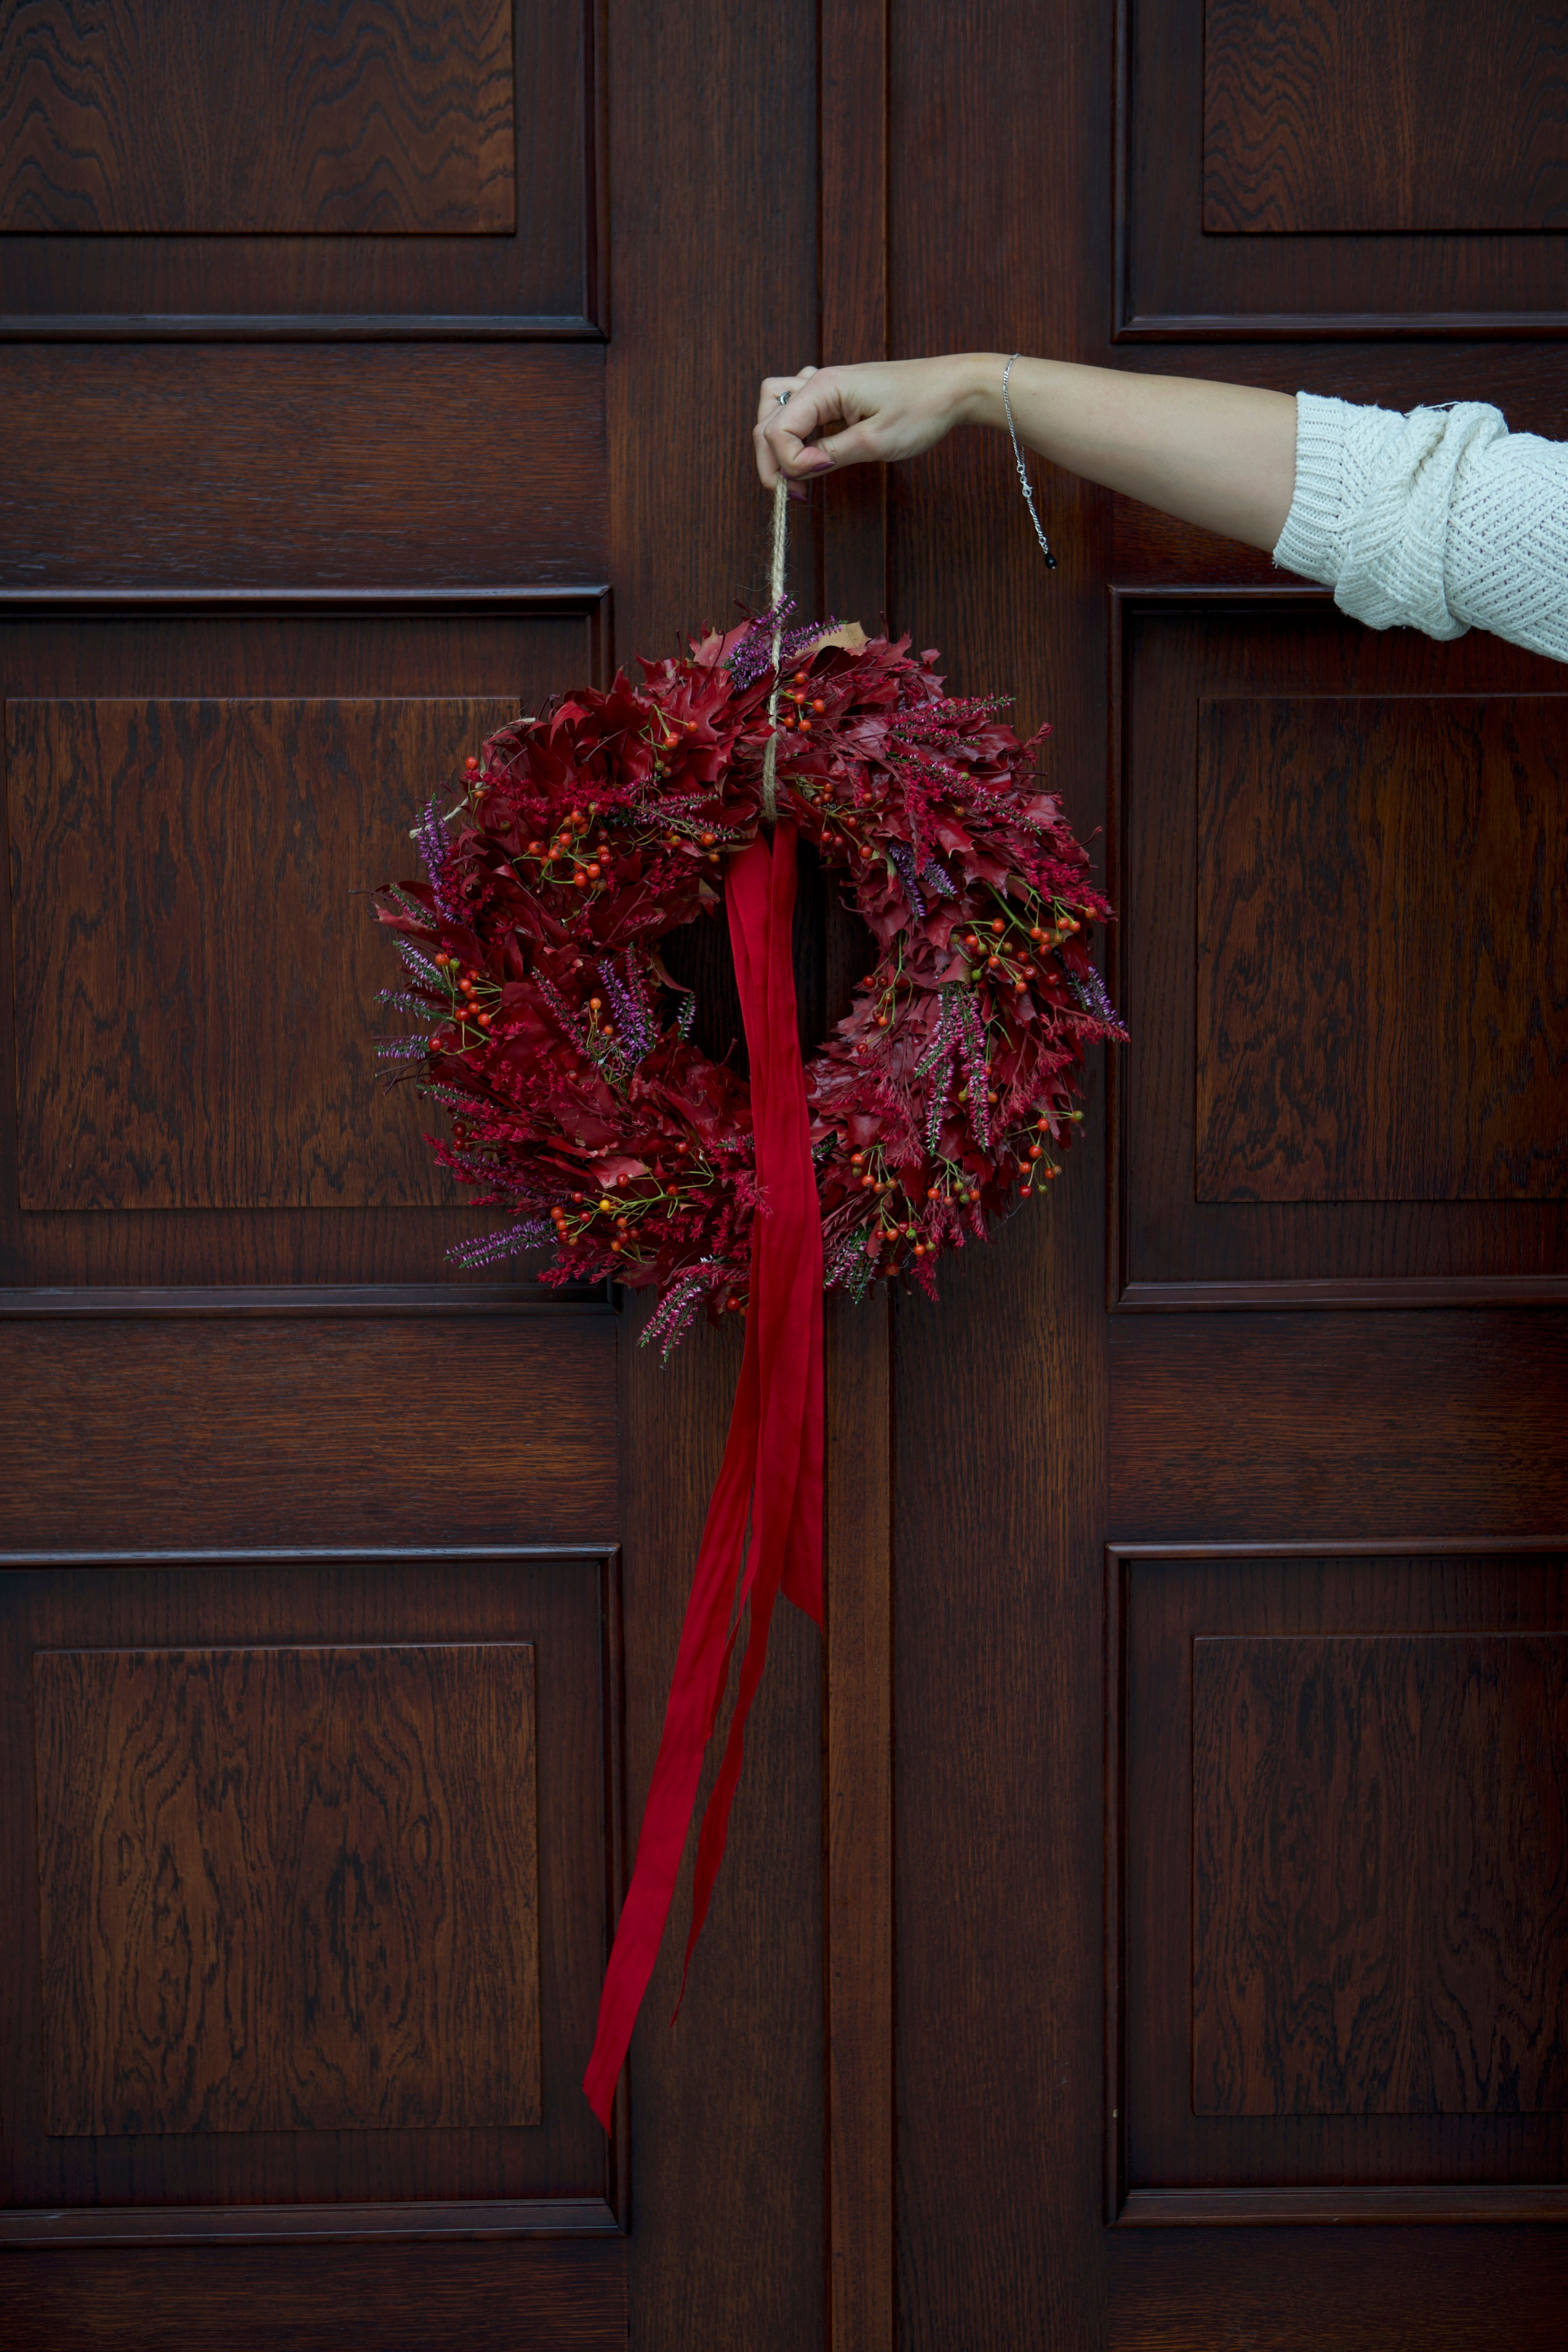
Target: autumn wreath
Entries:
(551, 1032)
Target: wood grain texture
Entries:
(198, 968)
(859, 1704)
(853, 136)
(211, 466)
(1435, 1939)
(1337, 2291)
(728, 2110)
(1336, 132)
(1401, 118)
(1398, 1032)
(543, 279)
(381, 118)
(214, 2184)
(999, 1393)
(1364, 857)
(1250, 1426)
(1380, 1874)
(266, 651)
(288, 1890)
(728, 2122)
(572, 2299)
(858, 1692)
(183, 1433)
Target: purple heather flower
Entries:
(972, 1038)
(755, 653)
(487, 1249)
(1088, 992)
(633, 1021)
(902, 862)
(435, 850)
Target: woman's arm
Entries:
(1220, 454)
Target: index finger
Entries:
(788, 413)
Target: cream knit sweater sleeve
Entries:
(1442, 520)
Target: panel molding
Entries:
(1129, 601)
(1128, 324)
(1419, 1290)
(383, 1302)
(606, 2211)
(293, 326)
(261, 2225)
(1182, 2208)
(1268, 2205)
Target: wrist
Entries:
(977, 387)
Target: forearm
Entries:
(1219, 455)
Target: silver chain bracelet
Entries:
(1023, 472)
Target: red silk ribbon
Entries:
(772, 1468)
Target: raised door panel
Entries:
(278, 118)
(381, 167)
(1342, 865)
(1339, 1974)
(1379, 1874)
(187, 938)
(1383, 949)
(288, 1889)
(311, 1859)
(1383, 118)
(1299, 168)
(199, 802)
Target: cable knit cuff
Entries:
(1338, 445)
(1369, 516)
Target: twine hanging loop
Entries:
(775, 599)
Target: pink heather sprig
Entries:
(755, 653)
(436, 854)
(488, 1249)
(634, 1023)
(972, 1044)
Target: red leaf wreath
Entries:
(551, 1032)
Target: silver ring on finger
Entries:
(784, 400)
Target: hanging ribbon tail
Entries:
(772, 1463)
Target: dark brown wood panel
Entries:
(197, 967)
(297, 469)
(377, 168)
(1238, 1426)
(1499, 2290)
(1382, 950)
(321, 1431)
(570, 2298)
(713, 165)
(999, 1390)
(378, 119)
(1380, 1874)
(373, 1707)
(1413, 787)
(288, 1890)
(1406, 1886)
(479, 652)
(1383, 118)
(1314, 123)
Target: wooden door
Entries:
(311, 1600)
(1228, 1530)
(359, 383)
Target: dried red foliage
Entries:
(550, 1027)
